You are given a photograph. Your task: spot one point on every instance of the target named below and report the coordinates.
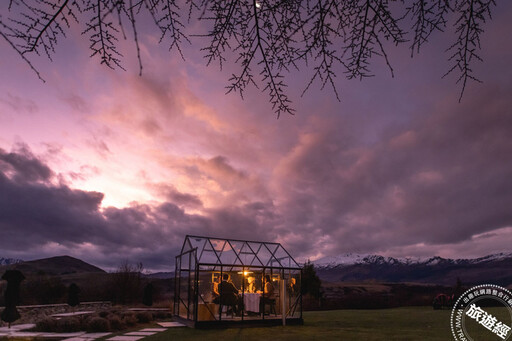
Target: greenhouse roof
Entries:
(235, 252)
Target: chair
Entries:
(271, 302)
(230, 301)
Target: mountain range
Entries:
(9, 261)
(495, 269)
(355, 268)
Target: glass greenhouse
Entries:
(222, 282)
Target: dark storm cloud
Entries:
(39, 217)
(177, 197)
(24, 165)
(443, 179)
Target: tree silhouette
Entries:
(73, 292)
(311, 283)
(147, 299)
(127, 283)
(269, 38)
(12, 295)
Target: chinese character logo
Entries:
(483, 312)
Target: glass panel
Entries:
(192, 293)
(218, 244)
(226, 293)
(237, 246)
(238, 252)
(196, 242)
(177, 285)
(209, 268)
(284, 259)
(185, 261)
(269, 301)
(251, 295)
(228, 256)
(264, 255)
(293, 281)
(245, 254)
(272, 248)
(186, 245)
(207, 310)
(183, 298)
(209, 256)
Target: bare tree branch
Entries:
(269, 37)
(472, 15)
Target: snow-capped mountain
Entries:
(350, 267)
(343, 259)
(9, 261)
(354, 258)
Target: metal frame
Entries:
(228, 254)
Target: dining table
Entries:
(252, 302)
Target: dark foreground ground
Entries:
(410, 323)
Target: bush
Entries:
(98, 324)
(103, 313)
(47, 324)
(68, 325)
(162, 314)
(116, 323)
(130, 320)
(144, 317)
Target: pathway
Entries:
(19, 331)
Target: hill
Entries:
(54, 266)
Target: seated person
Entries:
(215, 290)
(228, 294)
(268, 296)
(292, 287)
(251, 287)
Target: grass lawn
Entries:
(410, 323)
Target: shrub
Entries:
(47, 324)
(98, 324)
(103, 313)
(144, 317)
(68, 325)
(162, 314)
(116, 323)
(130, 320)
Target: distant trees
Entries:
(126, 285)
(43, 288)
(269, 38)
(311, 283)
(12, 295)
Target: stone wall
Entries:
(34, 313)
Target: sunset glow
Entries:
(110, 166)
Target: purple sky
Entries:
(109, 167)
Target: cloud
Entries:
(441, 180)
(23, 165)
(396, 168)
(39, 218)
(181, 199)
(19, 104)
(436, 182)
(77, 102)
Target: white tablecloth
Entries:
(252, 302)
